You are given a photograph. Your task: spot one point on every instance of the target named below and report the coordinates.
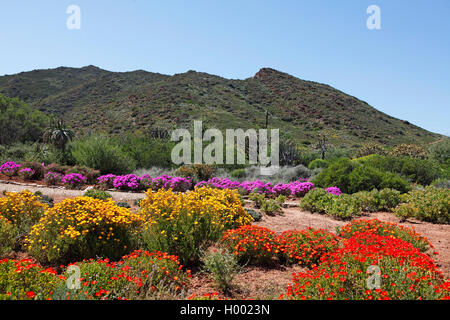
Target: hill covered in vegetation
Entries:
(91, 99)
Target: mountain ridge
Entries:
(93, 99)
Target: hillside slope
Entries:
(90, 98)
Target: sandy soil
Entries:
(60, 193)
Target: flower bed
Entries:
(400, 271)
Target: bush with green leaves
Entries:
(343, 207)
(337, 174)
(257, 198)
(123, 205)
(373, 201)
(255, 214)
(19, 123)
(369, 149)
(422, 171)
(441, 183)
(223, 266)
(318, 163)
(102, 153)
(271, 207)
(8, 233)
(238, 173)
(97, 194)
(440, 151)
(410, 150)
(148, 152)
(431, 204)
(316, 200)
(353, 176)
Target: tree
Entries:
(322, 145)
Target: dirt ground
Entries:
(268, 283)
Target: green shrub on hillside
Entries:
(19, 123)
(410, 150)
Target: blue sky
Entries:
(402, 69)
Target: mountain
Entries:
(90, 98)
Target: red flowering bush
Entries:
(24, 280)
(159, 272)
(306, 247)
(139, 275)
(252, 244)
(381, 228)
(402, 270)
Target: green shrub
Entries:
(364, 177)
(373, 201)
(316, 200)
(55, 167)
(359, 175)
(441, 151)
(197, 172)
(8, 234)
(369, 149)
(422, 171)
(148, 152)
(102, 153)
(431, 204)
(238, 173)
(19, 123)
(393, 181)
(410, 150)
(123, 205)
(318, 163)
(255, 214)
(343, 207)
(257, 198)
(97, 194)
(441, 183)
(47, 200)
(223, 266)
(337, 174)
(270, 207)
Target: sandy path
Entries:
(58, 193)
